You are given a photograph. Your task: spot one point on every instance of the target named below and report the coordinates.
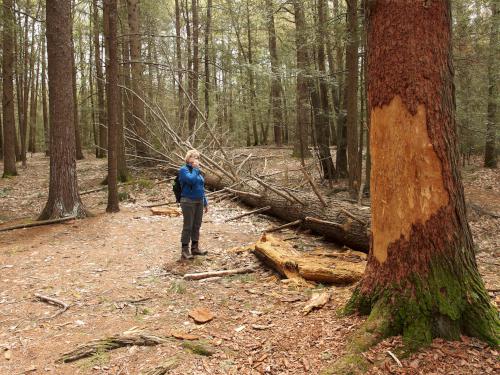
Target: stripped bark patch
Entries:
(412, 162)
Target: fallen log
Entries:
(300, 267)
(353, 220)
(208, 274)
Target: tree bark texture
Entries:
(9, 125)
(302, 103)
(421, 278)
(64, 199)
(112, 93)
(276, 89)
(100, 83)
(490, 151)
(352, 96)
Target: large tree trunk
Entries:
(9, 125)
(303, 109)
(352, 96)
(112, 92)
(421, 279)
(100, 83)
(340, 221)
(490, 152)
(275, 78)
(64, 199)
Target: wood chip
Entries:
(317, 301)
(184, 335)
(201, 315)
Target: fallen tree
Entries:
(340, 221)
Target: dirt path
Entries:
(120, 271)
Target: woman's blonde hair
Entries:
(190, 154)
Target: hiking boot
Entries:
(185, 254)
(195, 250)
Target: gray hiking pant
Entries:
(192, 211)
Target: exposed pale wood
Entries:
(263, 209)
(301, 268)
(209, 274)
(37, 223)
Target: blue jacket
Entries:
(193, 183)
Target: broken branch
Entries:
(267, 208)
(209, 274)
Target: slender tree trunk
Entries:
(64, 199)
(26, 86)
(322, 125)
(208, 37)
(46, 135)
(421, 278)
(251, 79)
(18, 76)
(193, 114)
(276, 89)
(93, 116)
(178, 57)
(301, 148)
(78, 141)
(34, 104)
(112, 93)
(100, 83)
(352, 96)
(490, 152)
(137, 74)
(9, 125)
(123, 113)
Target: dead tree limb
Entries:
(110, 343)
(288, 225)
(314, 187)
(37, 223)
(208, 274)
(263, 209)
(53, 302)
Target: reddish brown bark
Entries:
(421, 265)
(9, 126)
(112, 93)
(64, 199)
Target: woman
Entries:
(193, 203)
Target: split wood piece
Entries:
(263, 209)
(208, 274)
(110, 343)
(244, 193)
(287, 261)
(317, 301)
(166, 211)
(201, 315)
(284, 226)
(314, 187)
(38, 223)
(54, 302)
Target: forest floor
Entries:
(121, 271)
